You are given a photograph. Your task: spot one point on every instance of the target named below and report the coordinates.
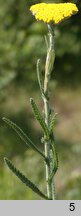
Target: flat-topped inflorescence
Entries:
(53, 12)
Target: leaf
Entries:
(23, 136)
(24, 179)
(39, 118)
(54, 158)
(46, 41)
(39, 76)
(52, 122)
(50, 53)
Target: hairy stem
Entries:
(48, 69)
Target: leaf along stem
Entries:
(24, 179)
(40, 118)
(23, 136)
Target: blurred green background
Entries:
(21, 44)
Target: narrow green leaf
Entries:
(23, 136)
(24, 179)
(39, 118)
(54, 158)
(51, 61)
(39, 76)
(52, 121)
(50, 53)
(46, 41)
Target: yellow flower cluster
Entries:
(53, 12)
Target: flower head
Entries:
(53, 12)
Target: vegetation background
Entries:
(21, 44)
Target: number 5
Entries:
(72, 207)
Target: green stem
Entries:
(47, 152)
(48, 68)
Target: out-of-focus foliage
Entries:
(21, 44)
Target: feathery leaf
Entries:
(54, 158)
(39, 118)
(24, 179)
(52, 121)
(23, 136)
